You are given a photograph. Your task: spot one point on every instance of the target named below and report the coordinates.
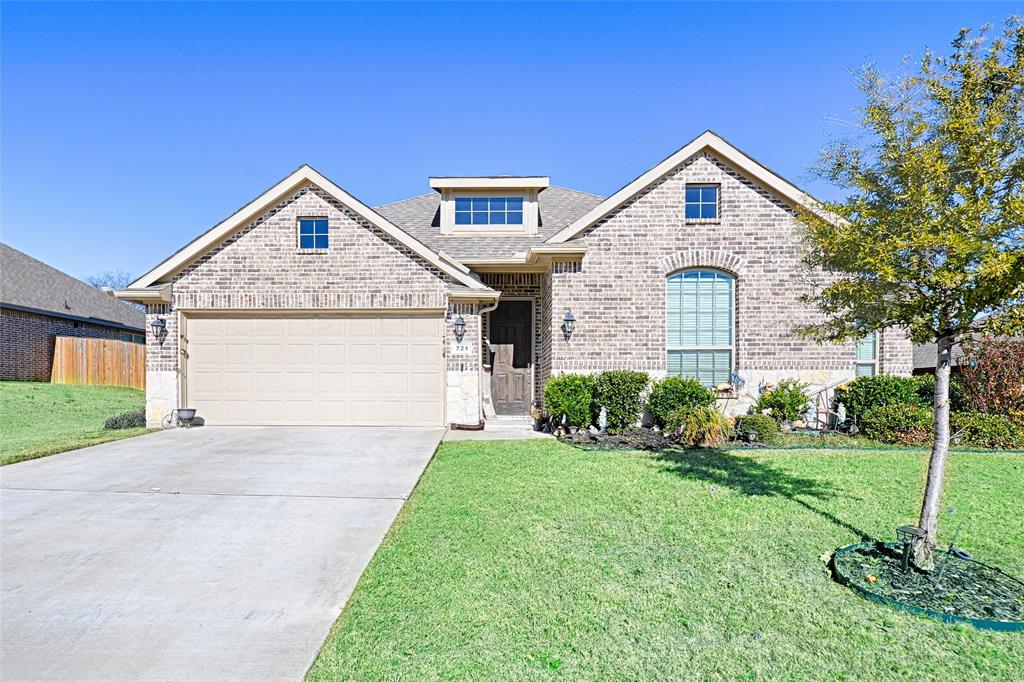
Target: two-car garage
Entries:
(329, 369)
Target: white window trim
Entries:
(732, 331)
(530, 211)
(873, 362)
(718, 205)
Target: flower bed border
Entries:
(981, 623)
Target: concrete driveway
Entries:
(216, 553)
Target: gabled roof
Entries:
(260, 204)
(558, 206)
(720, 149)
(31, 285)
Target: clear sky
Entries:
(129, 129)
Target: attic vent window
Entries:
(488, 210)
(313, 233)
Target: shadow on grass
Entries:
(751, 477)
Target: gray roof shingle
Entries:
(419, 217)
(31, 284)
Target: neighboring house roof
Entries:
(419, 216)
(31, 285)
(249, 212)
(926, 354)
(717, 147)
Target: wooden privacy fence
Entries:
(99, 362)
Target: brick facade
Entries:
(260, 267)
(27, 341)
(617, 293)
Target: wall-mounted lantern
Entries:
(568, 324)
(159, 326)
(460, 328)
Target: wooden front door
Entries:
(511, 337)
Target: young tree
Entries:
(930, 238)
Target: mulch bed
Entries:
(964, 588)
(641, 439)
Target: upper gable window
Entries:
(313, 233)
(702, 202)
(488, 210)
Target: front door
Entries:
(511, 337)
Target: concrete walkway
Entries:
(204, 554)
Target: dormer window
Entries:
(488, 210)
(499, 205)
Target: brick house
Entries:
(308, 307)
(39, 303)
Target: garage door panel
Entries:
(393, 354)
(316, 370)
(362, 326)
(267, 411)
(424, 355)
(268, 382)
(235, 326)
(238, 382)
(394, 382)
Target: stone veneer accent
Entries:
(27, 342)
(463, 395)
(617, 293)
(261, 268)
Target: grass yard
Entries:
(39, 419)
(534, 560)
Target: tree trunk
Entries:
(929, 521)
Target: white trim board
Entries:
(719, 148)
(268, 199)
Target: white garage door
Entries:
(345, 370)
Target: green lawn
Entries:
(535, 560)
(39, 419)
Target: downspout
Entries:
(480, 345)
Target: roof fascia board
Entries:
(159, 293)
(251, 210)
(538, 182)
(75, 318)
(719, 148)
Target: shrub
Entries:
(866, 393)
(901, 423)
(699, 426)
(620, 393)
(126, 420)
(981, 430)
(787, 402)
(671, 393)
(991, 371)
(759, 428)
(571, 395)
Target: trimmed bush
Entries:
(571, 395)
(699, 426)
(785, 403)
(126, 420)
(903, 424)
(759, 428)
(866, 393)
(620, 393)
(980, 430)
(671, 393)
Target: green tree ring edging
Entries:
(982, 623)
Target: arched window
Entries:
(699, 320)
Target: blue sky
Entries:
(128, 129)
